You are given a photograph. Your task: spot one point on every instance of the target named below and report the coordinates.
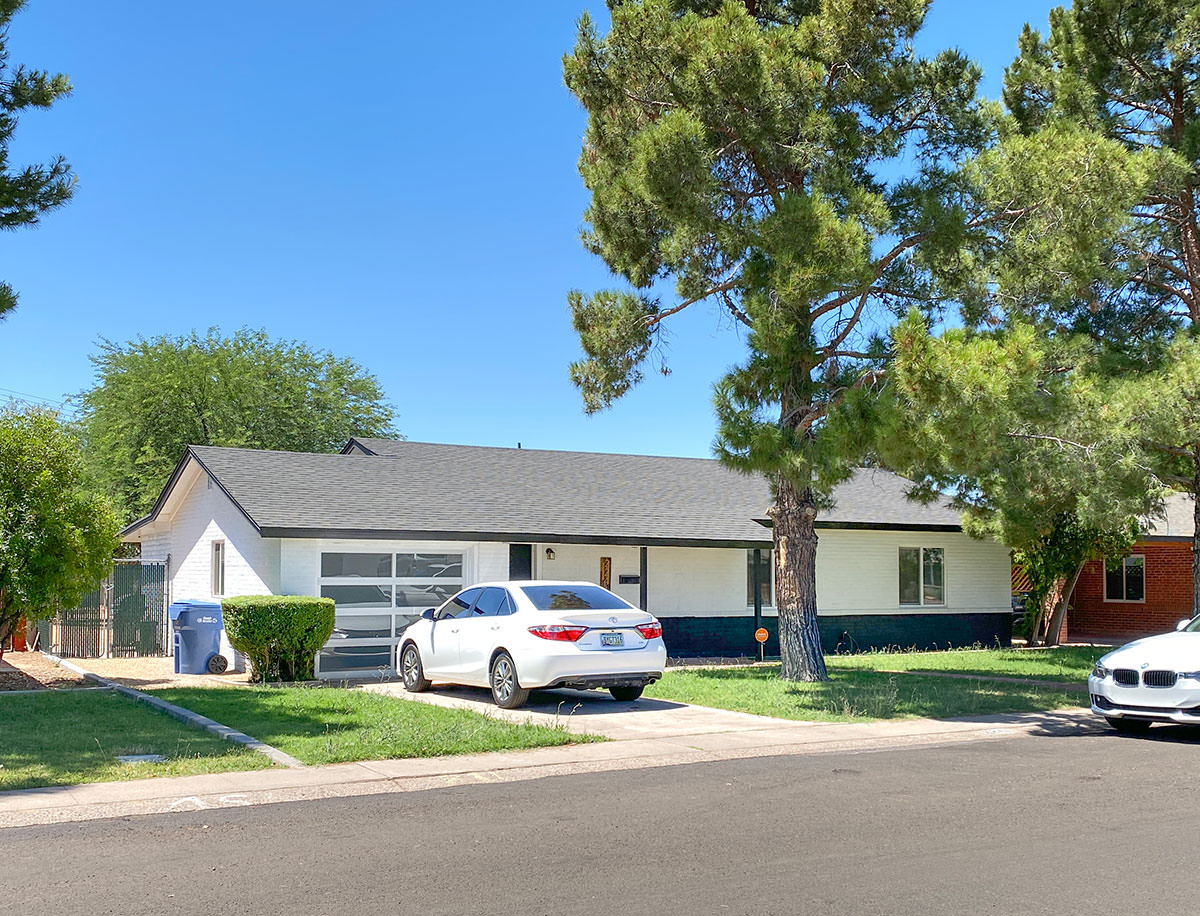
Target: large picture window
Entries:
(766, 571)
(1125, 580)
(922, 576)
(377, 595)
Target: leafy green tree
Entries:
(1030, 438)
(27, 192)
(57, 534)
(1122, 80)
(154, 397)
(792, 163)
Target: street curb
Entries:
(185, 715)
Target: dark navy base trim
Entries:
(734, 636)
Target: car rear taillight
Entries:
(650, 630)
(562, 634)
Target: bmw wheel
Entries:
(506, 689)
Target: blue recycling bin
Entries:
(197, 627)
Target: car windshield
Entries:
(1193, 627)
(574, 598)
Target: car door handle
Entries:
(496, 627)
(454, 631)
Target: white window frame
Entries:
(217, 568)
(392, 612)
(921, 602)
(1124, 583)
(770, 557)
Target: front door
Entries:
(520, 562)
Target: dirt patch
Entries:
(33, 671)
(154, 673)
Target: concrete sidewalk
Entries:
(646, 733)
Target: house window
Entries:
(1125, 580)
(765, 578)
(218, 568)
(922, 576)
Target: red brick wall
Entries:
(1168, 596)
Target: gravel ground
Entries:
(33, 671)
(152, 673)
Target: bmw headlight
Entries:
(1189, 675)
(1101, 672)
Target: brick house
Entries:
(1148, 592)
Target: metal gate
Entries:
(125, 616)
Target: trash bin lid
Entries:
(183, 607)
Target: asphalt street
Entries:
(1051, 824)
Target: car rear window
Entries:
(573, 598)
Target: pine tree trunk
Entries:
(1064, 588)
(796, 584)
(1195, 533)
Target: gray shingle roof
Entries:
(423, 489)
(1176, 520)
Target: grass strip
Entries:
(857, 694)
(1062, 663)
(336, 725)
(66, 737)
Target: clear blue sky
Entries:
(392, 181)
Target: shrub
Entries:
(280, 634)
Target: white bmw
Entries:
(1156, 679)
(515, 636)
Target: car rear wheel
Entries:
(1129, 726)
(411, 670)
(626, 694)
(506, 689)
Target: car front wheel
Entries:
(1129, 726)
(506, 689)
(625, 694)
(411, 671)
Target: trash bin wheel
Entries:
(217, 664)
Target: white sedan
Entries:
(515, 636)
(1156, 679)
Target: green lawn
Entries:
(1065, 663)
(333, 725)
(864, 687)
(65, 737)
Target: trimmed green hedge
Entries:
(280, 634)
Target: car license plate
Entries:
(612, 639)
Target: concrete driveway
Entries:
(595, 712)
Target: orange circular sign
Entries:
(761, 634)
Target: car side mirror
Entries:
(1182, 625)
(427, 614)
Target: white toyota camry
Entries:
(515, 636)
(1156, 679)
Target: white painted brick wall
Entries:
(205, 515)
(857, 573)
(491, 562)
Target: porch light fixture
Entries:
(549, 553)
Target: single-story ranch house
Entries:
(389, 528)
